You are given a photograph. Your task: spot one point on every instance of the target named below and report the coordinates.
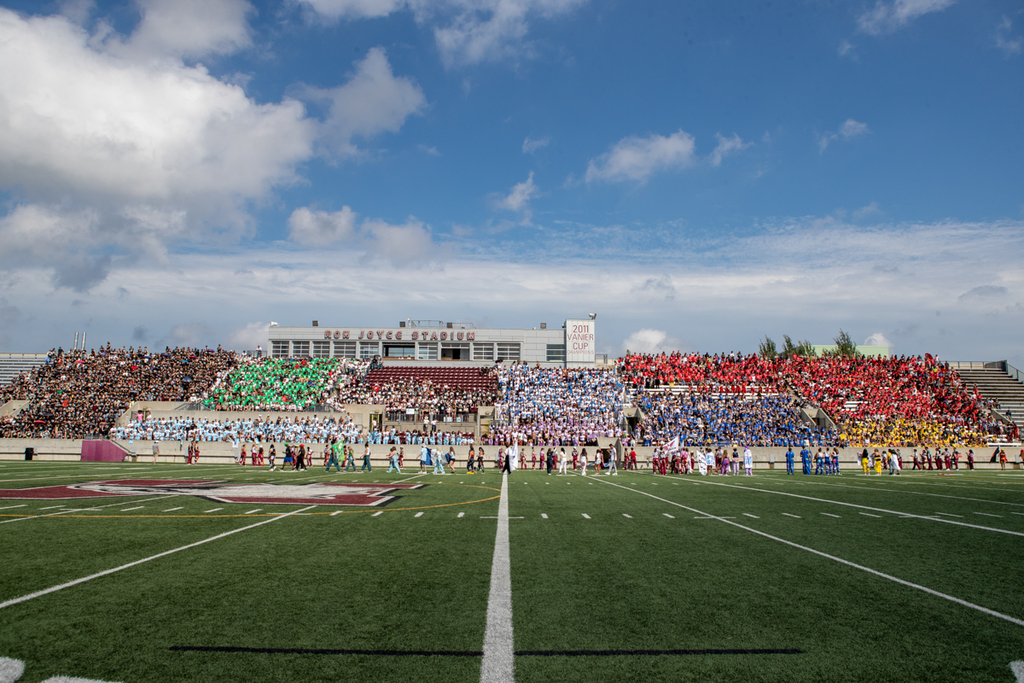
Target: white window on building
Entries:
(279, 349)
(369, 349)
(300, 349)
(556, 353)
(321, 349)
(483, 351)
(426, 351)
(508, 350)
(344, 349)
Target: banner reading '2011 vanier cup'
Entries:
(579, 341)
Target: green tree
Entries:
(766, 349)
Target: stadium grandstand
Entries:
(640, 400)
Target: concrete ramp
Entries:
(102, 451)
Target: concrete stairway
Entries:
(994, 383)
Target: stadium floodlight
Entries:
(593, 316)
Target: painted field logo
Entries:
(360, 495)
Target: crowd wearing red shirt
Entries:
(885, 401)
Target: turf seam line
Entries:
(498, 658)
(69, 584)
(965, 603)
(866, 507)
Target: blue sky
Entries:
(699, 173)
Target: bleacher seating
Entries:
(470, 379)
(13, 365)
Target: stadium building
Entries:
(415, 342)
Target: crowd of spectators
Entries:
(80, 393)
(415, 399)
(706, 418)
(292, 429)
(556, 406)
(904, 401)
(281, 384)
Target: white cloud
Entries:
(432, 151)
(868, 210)
(320, 228)
(531, 145)
(407, 243)
(372, 101)
(190, 28)
(1008, 43)
(651, 341)
(887, 17)
(518, 199)
(847, 49)
(466, 31)
(401, 245)
(727, 146)
(354, 9)
(849, 130)
(878, 339)
(807, 277)
(248, 338)
(635, 158)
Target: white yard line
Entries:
(206, 512)
(868, 514)
(418, 514)
(130, 509)
(377, 513)
(253, 511)
(69, 584)
(794, 516)
(402, 481)
(747, 514)
(964, 603)
(498, 659)
(668, 515)
(97, 507)
(11, 507)
(912, 493)
(173, 509)
(867, 507)
(829, 514)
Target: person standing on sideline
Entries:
(234, 447)
(506, 463)
(438, 459)
(789, 460)
(583, 462)
(563, 462)
(748, 462)
(612, 466)
(970, 459)
(156, 450)
(366, 460)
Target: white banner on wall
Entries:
(579, 341)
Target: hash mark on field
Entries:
(868, 514)
(750, 515)
(252, 511)
(668, 515)
(13, 506)
(829, 514)
(172, 509)
(1012, 513)
(418, 514)
(794, 516)
(213, 510)
(585, 515)
(461, 514)
(985, 514)
(52, 507)
(626, 516)
(543, 515)
(377, 513)
(949, 514)
(130, 509)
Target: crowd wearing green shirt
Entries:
(275, 384)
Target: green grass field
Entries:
(635, 577)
